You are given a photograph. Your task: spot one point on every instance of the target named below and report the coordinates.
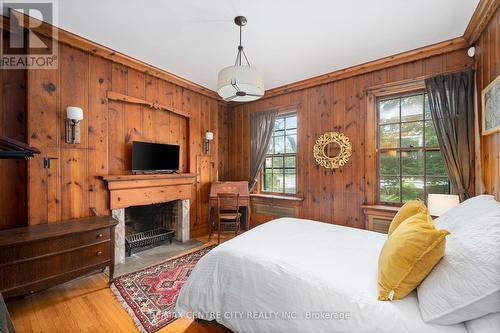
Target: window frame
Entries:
(283, 114)
(399, 95)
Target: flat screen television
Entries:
(150, 157)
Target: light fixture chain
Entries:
(238, 56)
(240, 47)
(240, 35)
(241, 50)
(248, 63)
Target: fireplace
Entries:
(143, 203)
(179, 223)
(147, 217)
(147, 226)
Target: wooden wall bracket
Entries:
(116, 96)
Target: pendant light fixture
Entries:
(241, 82)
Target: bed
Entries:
(294, 275)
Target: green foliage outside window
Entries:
(279, 173)
(410, 162)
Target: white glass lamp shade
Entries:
(440, 203)
(74, 113)
(209, 136)
(240, 84)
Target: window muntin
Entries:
(410, 163)
(279, 173)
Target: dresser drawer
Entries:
(43, 267)
(51, 245)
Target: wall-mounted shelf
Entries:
(13, 149)
(6, 155)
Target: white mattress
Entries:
(276, 276)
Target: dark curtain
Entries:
(451, 101)
(261, 130)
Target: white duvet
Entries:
(293, 275)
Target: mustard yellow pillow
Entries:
(410, 208)
(408, 256)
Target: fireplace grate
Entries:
(147, 238)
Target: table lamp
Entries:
(438, 204)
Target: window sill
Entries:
(273, 197)
(380, 210)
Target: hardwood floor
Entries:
(88, 305)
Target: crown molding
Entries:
(91, 47)
(483, 13)
(394, 60)
(480, 19)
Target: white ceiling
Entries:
(287, 40)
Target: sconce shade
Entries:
(74, 113)
(209, 136)
(440, 203)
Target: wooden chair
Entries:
(228, 214)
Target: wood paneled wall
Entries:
(488, 68)
(12, 124)
(223, 142)
(332, 196)
(71, 186)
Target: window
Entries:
(410, 163)
(279, 174)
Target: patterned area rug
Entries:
(149, 295)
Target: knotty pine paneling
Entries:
(488, 68)
(74, 90)
(98, 129)
(222, 141)
(13, 191)
(332, 196)
(71, 187)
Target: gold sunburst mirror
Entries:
(332, 150)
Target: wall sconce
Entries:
(209, 136)
(73, 116)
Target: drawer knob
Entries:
(99, 236)
(98, 253)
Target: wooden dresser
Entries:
(37, 257)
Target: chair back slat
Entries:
(228, 202)
(228, 215)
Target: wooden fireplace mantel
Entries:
(144, 189)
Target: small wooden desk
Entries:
(240, 187)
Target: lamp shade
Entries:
(74, 113)
(240, 84)
(440, 203)
(209, 136)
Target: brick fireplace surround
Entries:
(145, 189)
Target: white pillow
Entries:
(486, 324)
(465, 284)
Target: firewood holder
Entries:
(146, 239)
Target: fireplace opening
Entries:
(149, 226)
